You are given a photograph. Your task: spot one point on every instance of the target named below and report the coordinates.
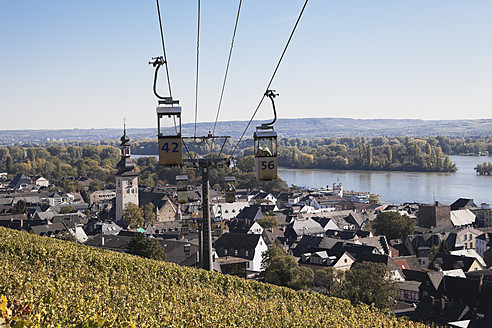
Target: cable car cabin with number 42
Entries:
(169, 135)
(265, 153)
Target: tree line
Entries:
(67, 164)
(417, 156)
(380, 153)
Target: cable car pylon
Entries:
(205, 164)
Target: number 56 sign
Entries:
(266, 168)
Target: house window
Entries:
(225, 251)
(247, 253)
(235, 252)
(464, 238)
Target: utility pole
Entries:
(205, 224)
(206, 247)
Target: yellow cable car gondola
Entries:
(230, 189)
(265, 146)
(168, 131)
(265, 154)
(170, 144)
(182, 188)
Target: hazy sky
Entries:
(84, 64)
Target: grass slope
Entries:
(52, 283)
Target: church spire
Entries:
(125, 165)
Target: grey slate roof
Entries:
(175, 251)
(313, 243)
(252, 212)
(49, 229)
(306, 227)
(44, 215)
(6, 201)
(461, 203)
(19, 180)
(450, 262)
(117, 243)
(237, 241)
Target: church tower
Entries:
(126, 179)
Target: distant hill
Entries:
(49, 282)
(290, 128)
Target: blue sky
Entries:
(84, 64)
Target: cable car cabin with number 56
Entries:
(230, 189)
(169, 135)
(266, 154)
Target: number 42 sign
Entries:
(170, 151)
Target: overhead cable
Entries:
(164, 48)
(227, 66)
(273, 76)
(197, 62)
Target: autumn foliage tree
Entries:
(283, 270)
(393, 225)
(146, 247)
(133, 216)
(370, 283)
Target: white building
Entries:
(126, 179)
(246, 246)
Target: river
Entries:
(397, 187)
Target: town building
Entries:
(126, 179)
(245, 246)
(434, 215)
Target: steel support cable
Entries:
(273, 76)
(197, 62)
(164, 49)
(227, 66)
(226, 73)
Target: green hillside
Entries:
(52, 283)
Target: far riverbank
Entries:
(396, 187)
